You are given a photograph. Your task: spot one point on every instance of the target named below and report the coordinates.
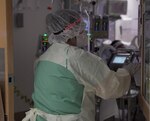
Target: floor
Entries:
(139, 117)
(19, 116)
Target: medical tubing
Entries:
(26, 99)
(80, 7)
(88, 34)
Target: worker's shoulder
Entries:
(75, 51)
(71, 51)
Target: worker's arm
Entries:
(94, 73)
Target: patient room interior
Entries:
(24, 36)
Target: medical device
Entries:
(96, 27)
(121, 58)
(118, 60)
(44, 42)
(99, 27)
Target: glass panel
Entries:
(147, 71)
(146, 88)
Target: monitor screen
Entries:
(119, 59)
(117, 7)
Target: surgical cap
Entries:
(64, 25)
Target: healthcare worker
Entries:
(68, 78)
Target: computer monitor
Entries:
(117, 7)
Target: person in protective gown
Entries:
(67, 78)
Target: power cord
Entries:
(26, 99)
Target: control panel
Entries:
(44, 42)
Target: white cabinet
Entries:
(126, 30)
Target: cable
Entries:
(23, 97)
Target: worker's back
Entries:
(56, 89)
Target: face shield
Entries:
(82, 39)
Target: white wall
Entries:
(25, 45)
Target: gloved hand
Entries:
(132, 68)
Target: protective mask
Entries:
(82, 40)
